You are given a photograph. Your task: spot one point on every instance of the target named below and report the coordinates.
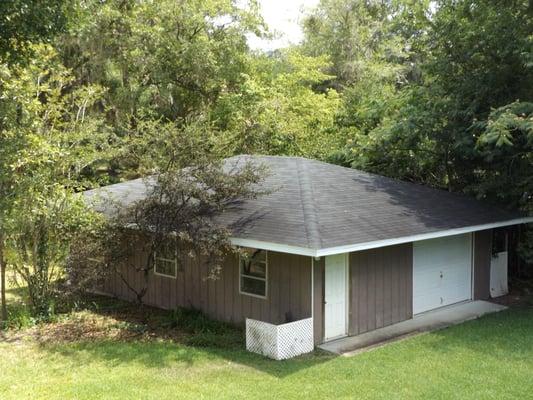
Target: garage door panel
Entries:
(431, 302)
(442, 272)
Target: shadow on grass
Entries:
(161, 354)
(145, 338)
(505, 334)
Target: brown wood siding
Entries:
(482, 258)
(288, 297)
(318, 300)
(381, 287)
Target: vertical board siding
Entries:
(274, 292)
(482, 258)
(318, 299)
(284, 291)
(362, 286)
(288, 293)
(381, 285)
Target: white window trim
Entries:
(265, 279)
(172, 260)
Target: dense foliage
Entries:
(94, 92)
(49, 143)
(177, 220)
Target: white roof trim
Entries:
(282, 248)
(304, 251)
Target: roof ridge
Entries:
(308, 206)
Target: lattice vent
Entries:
(279, 341)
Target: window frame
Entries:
(265, 279)
(172, 260)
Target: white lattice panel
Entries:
(295, 338)
(261, 338)
(279, 341)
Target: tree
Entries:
(49, 141)
(160, 60)
(474, 56)
(277, 109)
(450, 92)
(371, 49)
(23, 22)
(506, 144)
(359, 37)
(181, 210)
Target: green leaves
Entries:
(163, 59)
(278, 109)
(507, 122)
(23, 22)
(51, 137)
(506, 145)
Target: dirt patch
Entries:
(103, 318)
(88, 326)
(520, 296)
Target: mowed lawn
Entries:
(489, 358)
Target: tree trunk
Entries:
(3, 316)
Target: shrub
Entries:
(204, 331)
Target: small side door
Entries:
(335, 296)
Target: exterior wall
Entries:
(288, 297)
(381, 287)
(482, 257)
(318, 300)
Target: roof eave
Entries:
(304, 251)
(279, 247)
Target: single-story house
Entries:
(347, 251)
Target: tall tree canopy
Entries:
(51, 142)
(23, 22)
(462, 60)
(163, 58)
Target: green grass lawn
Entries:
(489, 358)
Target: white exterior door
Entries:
(442, 272)
(335, 296)
(498, 274)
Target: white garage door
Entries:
(442, 272)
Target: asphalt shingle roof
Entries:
(316, 205)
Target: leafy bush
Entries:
(19, 317)
(204, 331)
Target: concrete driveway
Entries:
(426, 322)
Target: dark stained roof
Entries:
(315, 205)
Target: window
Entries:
(253, 270)
(166, 267)
(166, 261)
